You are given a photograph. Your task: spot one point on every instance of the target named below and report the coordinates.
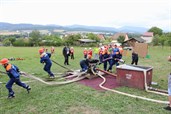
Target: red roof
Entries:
(149, 34)
(101, 36)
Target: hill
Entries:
(24, 26)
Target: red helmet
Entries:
(4, 61)
(41, 50)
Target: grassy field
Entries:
(75, 98)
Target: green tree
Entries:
(156, 31)
(6, 42)
(35, 38)
(21, 42)
(168, 36)
(155, 40)
(52, 40)
(121, 39)
(162, 40)
(12, 40)
(72, 39)
(93, 37)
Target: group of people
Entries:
(14, 73)
(109, 55)
(106, 54)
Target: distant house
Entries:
(117, 35)
(101, 37)
(148, 37)
(131, 42)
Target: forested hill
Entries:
(23, 26)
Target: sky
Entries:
(106, 13)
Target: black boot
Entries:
(28, 88)
(11, 95)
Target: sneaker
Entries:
(52, 77)
(82, 70)
(28, 89)
(11, 96)
(167, 108)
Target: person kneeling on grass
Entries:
(169, 89)
(14, 75)
(45, 58)
(85, 63)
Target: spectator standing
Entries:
(72, 52)
(66, 54)
(134, 58)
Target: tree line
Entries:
(37, 39)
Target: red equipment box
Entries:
(134, 76)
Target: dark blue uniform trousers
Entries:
(11, 82)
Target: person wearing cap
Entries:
(45, 59)
(14, 74)
(169, 88)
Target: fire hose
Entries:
(129, 95)
(61, 65)
(78, 77)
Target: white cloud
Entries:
(112, 13)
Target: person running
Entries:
(45, 59)
(14, 75)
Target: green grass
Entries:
(75, 98)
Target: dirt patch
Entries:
(94, 83)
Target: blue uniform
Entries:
(14, 75)
(84, 64)
(105, 56)
(115, 50)
(45, 58)
(114, 59)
